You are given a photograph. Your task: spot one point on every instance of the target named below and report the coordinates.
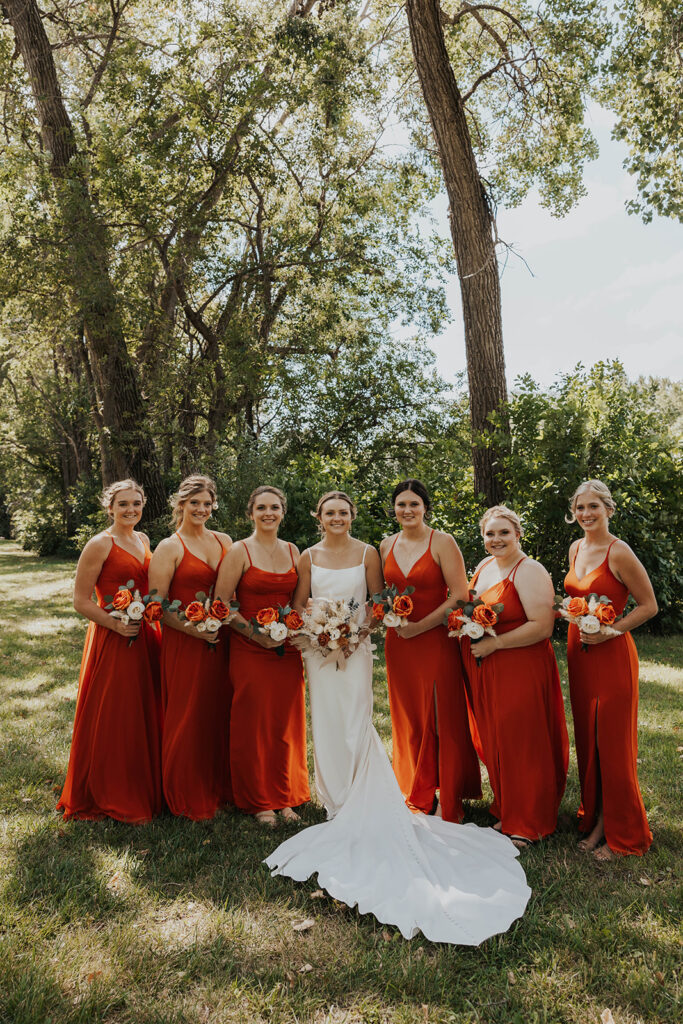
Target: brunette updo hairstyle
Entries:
(417, 487)
(501, 512)
(191, 485)
(603, 492)
(266, 489)
(109, 493)
(328, 496)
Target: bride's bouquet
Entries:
(128, 605)
(592, 614)
(473, 618)
(390, 609)
(331, 629)
(279, 624)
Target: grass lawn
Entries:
(181, 922)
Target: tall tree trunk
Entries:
(472, 231)
(125, 438)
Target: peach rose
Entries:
(195, 612)
(578, 606)
(403, 605)
(121, 599)
(455, 618)
(293, 620)
(219, 610)
(153, 611)
(265, 616)
(378, 612)
(605, 614)
(484, 615)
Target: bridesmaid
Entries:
(268, 718)
(603, 681)
(432, 743)
(195, 686)
(515, 691)
(115, 760)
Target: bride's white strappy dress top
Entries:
(455, 883)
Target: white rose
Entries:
(589, 624)
(333, 633)
(319, 616)
(212, 625)
(317, 628)
(201, 626)
(136, 610)
(391, 619)
(333, 645)
(565, 603)
(474, 630)
(278, 631)
(334, 622)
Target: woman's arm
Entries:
(165, 561)
(373, 571)
(89, 568)
(303, 587)
(535, 589)
(632, 573)
(448, 556)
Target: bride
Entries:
(455, 883)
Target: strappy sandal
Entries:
(521, 842)
(287, 814)
(267, 819)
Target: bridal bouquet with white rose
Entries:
(473, 618)
(391, 608)
(331, 629)
(128, 605)
(592, 614)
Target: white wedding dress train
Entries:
(455, 883)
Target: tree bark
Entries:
(125, 438)
(473, 237)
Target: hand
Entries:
(594, 638)
(482, 648)
(265, 640)
(130, 629)
(210, 638)
(407, 630)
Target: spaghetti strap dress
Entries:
(519, 711)
(268, 719)
(115, 761)
(196, 697)
(432, 742)
(603, 686)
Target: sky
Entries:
(604, 285)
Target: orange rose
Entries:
(378, 612)
(578, 606)
(293, 620)
(455, 618)
(323, 639)
(605, 614)
(153, 611)
(484, 615)
(219, 610)
(195, 612)
(403, 605)
(265, 616)
(121, 599)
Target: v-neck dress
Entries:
(268, 719)
(519, 711)
(196, 697)
(603, 685)
(432, 742)
(115, 760)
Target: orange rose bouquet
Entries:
(473, 618)
(278, 623)
(592, 614)
(128, 605)
(206, 612)
(391, 608)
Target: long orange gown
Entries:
(196, 696)
(432, 742)
(268, 719)
(519, 711)
(603, 685)
(115, 760)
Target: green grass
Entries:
(181, 922)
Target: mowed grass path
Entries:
(181, 922)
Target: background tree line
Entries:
(205, 244)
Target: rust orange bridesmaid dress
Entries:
(196, 696)
(268, 719)
(432, 743)
(603, 685)
(115, 761)
(518, 707)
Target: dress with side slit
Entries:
(603, 685)
(432, 741)
(196, 698)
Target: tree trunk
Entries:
(473, 240)
(127, 445)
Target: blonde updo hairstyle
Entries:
(266, 489)
(329, 496)
(502, 512)
(190, 486)
(109, 493)
(603, 492)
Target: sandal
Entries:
(268, 819)
(287, 814)
(521, 842)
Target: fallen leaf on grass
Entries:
(306, 969)
(303, 926)
(27, 799)
(115, 882)
(206, 842)
(142, 853)
(425, 1011)
(511, 978)
(317, 895)
(644, 881)
(606, 1017)
(91, 977)
(660, 977)
(386, 936)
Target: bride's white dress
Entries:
(455, 883)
